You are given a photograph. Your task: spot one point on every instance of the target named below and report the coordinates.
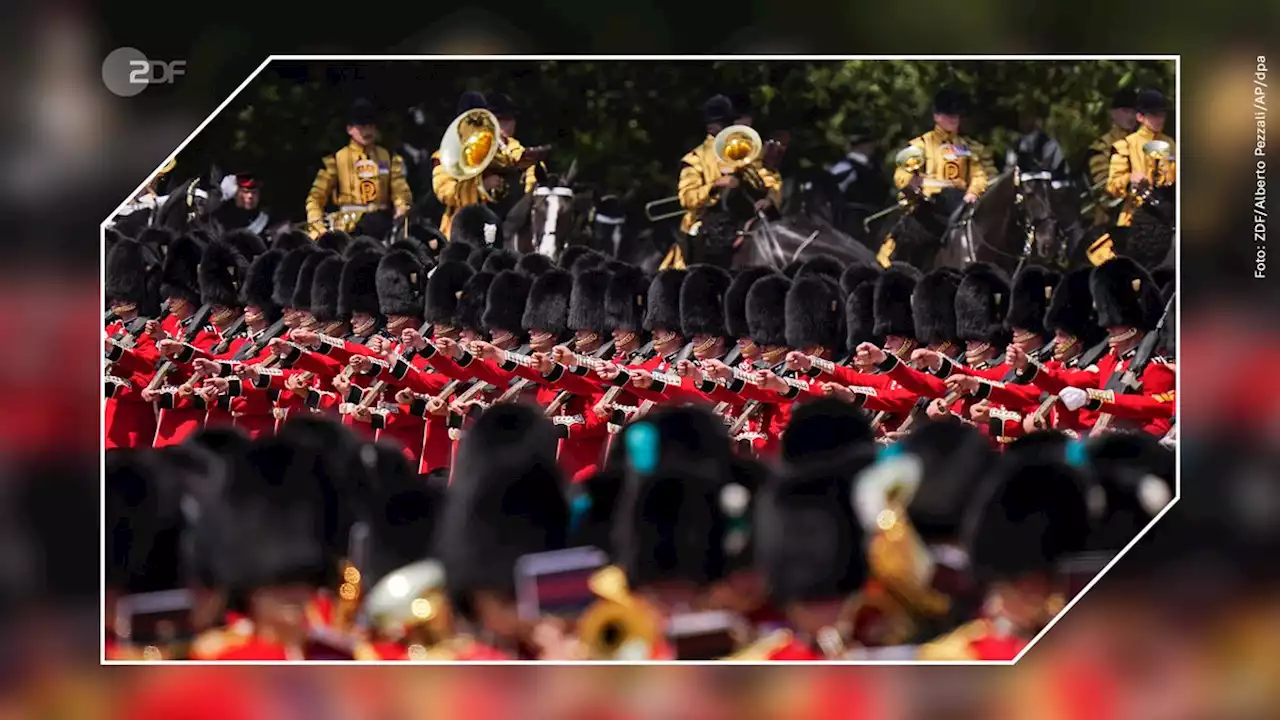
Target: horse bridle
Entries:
(554, 196)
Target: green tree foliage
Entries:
(629, 123)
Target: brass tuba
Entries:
(739, 147)
(618, 626)
(471, 144)
(409, 605)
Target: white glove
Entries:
(1073, 398)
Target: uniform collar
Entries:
(943, 134)
(357, 147)
(1145, 133)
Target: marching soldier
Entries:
(505, 502)
(362, 176)
(129, 419)
(1129, 306)
(808, 541)
(1129, 170)
(703, 179)
(180, 286)
(949, 156)
(982, 302)
(1123, 122)
(1032, 289)
(1034, 515)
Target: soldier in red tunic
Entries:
(506, 501)
(808, 541)
(1033, 514)
(130, 420)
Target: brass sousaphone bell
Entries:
(618, 626)
(739, 147)
(410, 605)
(472, 142)
(1159, 156)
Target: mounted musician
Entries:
(363, 179)
(731, 158)
(1143, 172)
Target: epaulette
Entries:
(955, 646)
(763, 648)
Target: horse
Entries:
(550, 218)
(803, 229)
(613, 231)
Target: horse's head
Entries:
(1035, 198)
(607, 224)
(555, 218)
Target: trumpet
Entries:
(619, 626)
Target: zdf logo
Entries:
(126, 71)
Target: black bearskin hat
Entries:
(954, 460)
(982, 301)
(1125, 295)
(477, 257)
(157, 239)
(856, 274)
(933, 303)
(735, 300)
(670, 523)
(144, 524)
(498, 261)
(326, 285)
(334, 240)
(586, 302)
(586, 261)
(429, 235)
(290, 240)
(808, 541)
(126, 276)
(1071, 308)
(702, 301)
(286, 276)
(222, 275)
(1027, 517)
(892, 301)
(766, 310)
(821, 265)
(548, 306)
(363, 243)
(358, 289)
(401, 284)
(663, 311)
(416, 248)
(471, 303)
(306, 277)
(792, 268)
(443, 288)
(1032, 291)
(533, 264)
(178, 276)
(259, 289)
(505, 303)
(505, 501)
(626, 298)
(569, 256)
(950, 101)
(246, 242)
(469, 226)
(815, 313)
(823, 429)
(456, 252)
(1136, 474)
(858, 283)
(1166, 278)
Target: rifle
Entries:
(232, 332)
(1089, 357)
(1130, 381)
(197, 323)
(375, 390)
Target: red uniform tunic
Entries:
(180, 417)
(130, 421)
(1158, 380)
